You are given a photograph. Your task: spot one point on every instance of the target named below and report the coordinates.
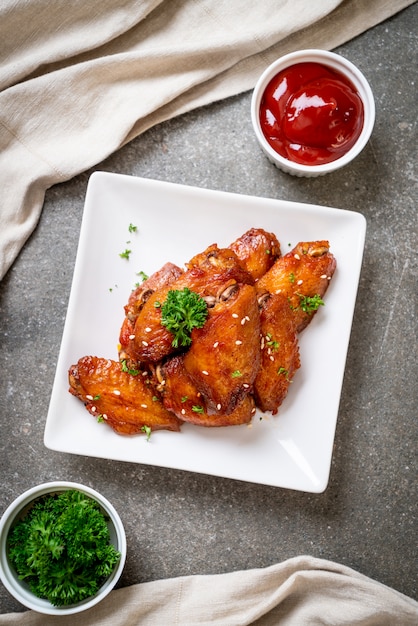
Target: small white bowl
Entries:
(18, 588)
(337, 63)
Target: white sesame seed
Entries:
(104, 416)
(299, 282)
(271, 357)
(145, 343)
(278, 291)
(148, 329)
(216, 344)
(297, 257)
(116, 392)
(183, 411)
(328, 277)
(144, 374)
(144, 406)
(205, 373)
(235, 315)
(246, 385)
(323, 276)
(238, 342)
(244, 319)
(89, 397)
(262, 343)
(93, 409)
(219, 407)
(253, 410)
(131, 336)
(247, 318)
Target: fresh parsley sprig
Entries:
(182, 311)
(62, 548)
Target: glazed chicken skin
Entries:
(182, 397)
(124, 401)
(257, 250)
(304, 272)
(279, 353)
(224, 356)
(208, 274)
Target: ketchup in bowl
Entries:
(311, 114)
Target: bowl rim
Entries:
(18, 589)
(337, 62)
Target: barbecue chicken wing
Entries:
(124, 401)
(163, 278)
(208, 274)
(182, 397)
(279, 353)
(224, 356)
(257, 250)
(301, 274)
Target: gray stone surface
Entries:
(180, 523)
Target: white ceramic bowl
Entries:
(335, 62)
(18, 588)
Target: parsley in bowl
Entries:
(62, 548)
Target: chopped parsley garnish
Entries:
(271, 343)
(125, 254)
(125, 368)
(236, 374)
(284, 372)
(309, 304)
(147, 430)
(132, 228)
(182, 311)
(142, 275)
(197, 409)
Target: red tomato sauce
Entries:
(311, 114)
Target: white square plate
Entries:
(292, 449)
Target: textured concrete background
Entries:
(180, 523)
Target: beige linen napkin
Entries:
(80, 79)
(303, 591)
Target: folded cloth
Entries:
(80, 79)
(302, 591)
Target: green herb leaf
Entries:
(147, 431)
(142, 275)
(125, 254)
(62, 548)
(309, 304)
(182, 311)
(283, 371)
(125, 368)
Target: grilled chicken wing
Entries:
(301, 274)
(279, 353)
(224, 356)
(122, 400)
(208, 274)
(139, 296)
(257, 250)
(181, 396)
